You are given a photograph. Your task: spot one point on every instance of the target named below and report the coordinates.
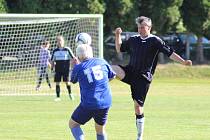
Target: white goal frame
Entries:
(7, 87)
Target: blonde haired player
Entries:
(93, 75)
(60, 60)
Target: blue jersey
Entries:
(93, 76)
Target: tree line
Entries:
(167, 15)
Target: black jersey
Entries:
(144, 52)
(61, 57)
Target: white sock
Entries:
(140, 128)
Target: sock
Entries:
(101, 137)
(39, 81)
(77, 133)
(58, 91)
(69, 88)
(48, 80)
(140, 126)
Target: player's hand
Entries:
(118, 31)
(52, 69)
(75, 61)
(49, 65)
(188, 62)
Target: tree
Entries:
(23, 6)
(119, 13)
(55, 6)
(195, 15)
(165, 14)
(3, 6)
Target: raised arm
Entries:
(177, 58)
(118, 40)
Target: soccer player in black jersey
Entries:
(60, 59)
(143, 49)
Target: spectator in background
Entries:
(43, 64)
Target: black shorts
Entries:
(139, 85)
(59, 75)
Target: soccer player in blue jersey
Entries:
(143, 49)
(93, 75)
(60, 60)
(44, 62)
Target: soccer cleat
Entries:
(37, 88)
(71, 96)
(57, 99)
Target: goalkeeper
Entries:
(44, 62)
(60, 59)
(93, 75)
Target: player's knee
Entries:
(119, 72)
(138, 109)
(57, 83)
(100, 129)
(72, 124)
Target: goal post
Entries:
(21, 36)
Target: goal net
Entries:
(21, 36)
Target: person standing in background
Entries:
(44, 63)
(60, 61)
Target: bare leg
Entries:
(76, 130)
(119, 72)
(68, 86)
(100, 130)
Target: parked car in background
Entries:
(192, 38)
(109, 46)
(177, 41)
(110, 40)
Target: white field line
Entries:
(18, 94)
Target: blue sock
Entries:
(101, 137)
(77, 133)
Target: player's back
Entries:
(93, 76)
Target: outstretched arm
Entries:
(118, 40)
(177, 58)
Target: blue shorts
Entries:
(82, 115)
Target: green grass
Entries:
(177, 108)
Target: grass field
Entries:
(177, 108)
